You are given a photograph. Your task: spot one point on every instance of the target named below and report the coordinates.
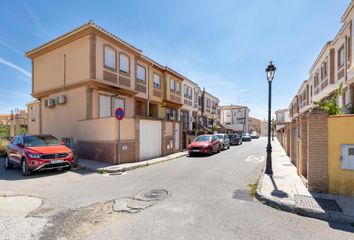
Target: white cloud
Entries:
(11, 47)
(15, 67)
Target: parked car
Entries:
(254, 135)
(235, 139)
(224, 140)
(246, 137)
(37, 152)
(204, 144)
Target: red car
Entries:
(36, 153)
(205, 144)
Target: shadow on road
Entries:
(15, 174)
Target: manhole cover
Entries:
(318, 203)
(243, 195)
(153, 195)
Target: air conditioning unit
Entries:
(51, 102)
(60, 99)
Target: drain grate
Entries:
(243, 195)
(317, 203)
(153, 195)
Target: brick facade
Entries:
(317, 147)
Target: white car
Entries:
(254, 135)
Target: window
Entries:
(157, 81)
(105, 106)
(140, 73)
(178, 88)
(324, 70)
(124, 63)
(172, 85)
(190, 93)
(118, 102)
(341, 57)
(195, 97)
(33, 113)
(185, 90)
(109, 58)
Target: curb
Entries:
(124, 169)
(306, 212)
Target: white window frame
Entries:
(141, 76)
(105, 106)
(157, 81)
(172, 85)
(124, 63)
(178, 87)
(110, 63)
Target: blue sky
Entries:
(222, 45)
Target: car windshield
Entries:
(233, 136)
(39, 141)
(203, 139)
(245, 134)
(220, 136)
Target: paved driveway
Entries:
(201, 205)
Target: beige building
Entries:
(235, 117)
(264, 129)
(209, 110)
(254, 124)
(81, 77)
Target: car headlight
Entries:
(34, 155)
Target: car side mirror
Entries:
(62, 143)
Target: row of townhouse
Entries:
(320, 145)
(81, 77)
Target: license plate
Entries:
(195, 150)
(56, 161)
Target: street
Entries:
(200, 205)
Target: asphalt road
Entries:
(201, 204)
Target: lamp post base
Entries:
(269, 169)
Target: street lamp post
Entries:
(273, 129)
(270, 70)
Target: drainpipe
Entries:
(148, 84)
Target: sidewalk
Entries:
(286, 191)
(108, 168)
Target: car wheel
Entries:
(24, 168)
(222, 147)
(7, 163)
(219, 149)
(228, 146)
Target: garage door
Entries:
(150, 139)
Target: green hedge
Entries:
(3, 143)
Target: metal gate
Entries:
(149, 139)
(177, 136)
(294, 146)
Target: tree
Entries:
(330, 105)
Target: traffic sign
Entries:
(119, 113)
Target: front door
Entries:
(177, 136)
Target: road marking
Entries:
(253, 158)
